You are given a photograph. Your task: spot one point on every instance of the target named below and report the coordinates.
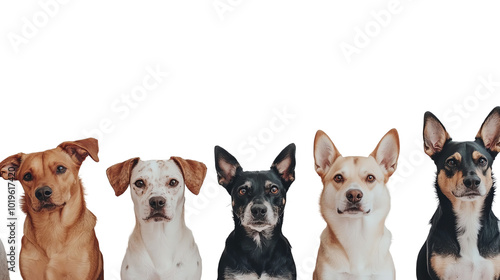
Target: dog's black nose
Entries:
(472, 182)
(157, 202)
(43, 193)
(258, 211)
(354, 195)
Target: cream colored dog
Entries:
(161, 246)
(354, 203)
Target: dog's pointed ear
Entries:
(119, 175)
(80, 149)
(227, 167)
(10, 166)
(490, 131)
(193, 171)
(325, 153)
(387, 152)
(435, 135)
(284, 165)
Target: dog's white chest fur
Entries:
(471, 265)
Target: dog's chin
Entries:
(353, 212)
(258, 226)
(469, 195)
(48, 206)
(157, 217)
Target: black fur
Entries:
(442, 238)
(243, 254)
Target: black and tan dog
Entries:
(256, 249)
(464, 240)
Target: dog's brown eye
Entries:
(60, 169)
(139, 183)
(451, 162)
(173, 183)
(242, 191)
(370, 178)
(275, 190)
(27, 177)
(338, 178)
(482, 162)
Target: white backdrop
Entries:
(161, 78)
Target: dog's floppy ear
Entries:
(435, 135)
(119, 175)
(284, 165)
(325, 153)
(490, 131)
(387, 152)
(227, 167)
(80, 149)
(193, 171)
(10, 166)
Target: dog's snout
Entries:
(472, 182)
(43, 193)
(258, 211)
(157, 202)
(354, 195)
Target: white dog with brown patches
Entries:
(354, 203)
(161, 246)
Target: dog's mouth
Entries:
(157, 217)
(353, 210)
(48, 206)
(469, 195)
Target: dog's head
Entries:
(157, 186)
(355, 186)
(258, 197)
(50, 178)
(463, 168)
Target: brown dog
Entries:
(59, 240)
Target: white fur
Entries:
(162, 249)
(470, 265)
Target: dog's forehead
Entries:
(39, 160)
(157, 169)
(467, 150)
(355, 165)
(258, 179)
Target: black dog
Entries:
(256, 249)
(464, 239)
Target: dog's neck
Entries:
(365, 239)
(164, 235)
(471, 223)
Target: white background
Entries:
(252, 78)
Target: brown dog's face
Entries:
(50, 178)
(355, 186)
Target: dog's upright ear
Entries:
(119, 175)
(435, 135)
(387, 152)
(80, 149)
(227, 168)
(325, 153)
(193, 171)
(10, 166)
(284, 165)
(489, 132)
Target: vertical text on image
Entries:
(11, 221)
